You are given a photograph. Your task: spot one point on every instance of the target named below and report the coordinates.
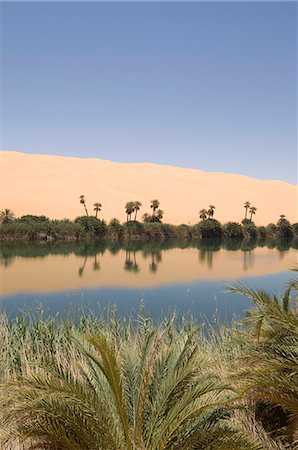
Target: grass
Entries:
(105, 383)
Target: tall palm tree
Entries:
(129, 209)
(203, 214)
(154, 205)
(137, 206)
(252, 211)
(97, 208)
(83, 202)
(210, 211)
(246, 206)
(6, 216)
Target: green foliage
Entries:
(261, 232)
(295, 229)
(268, 369)
(110, 386)
(271, 229)
(250, 230)
(233, 230)
(209, 228)
(6, 216)
(92, 225)
(283, 227)
(31, 219)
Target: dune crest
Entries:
(51, 185)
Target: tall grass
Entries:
(105, 383)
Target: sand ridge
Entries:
(51, 185)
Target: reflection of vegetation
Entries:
(92, 248)
(82, 268)
(130, 264)
(96, 265)
(155, 259)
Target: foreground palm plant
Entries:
(117, 389)
(268, 366)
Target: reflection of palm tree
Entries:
(81, 269)
(209, 259)
(247, 260)
(96, 265)
(6, 260)
(153, 267)
(131, 265)
(155, 258)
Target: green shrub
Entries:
(284, 228)
(295, 228)
(31, 219)
(233, 230)
(250, 230)
(209, 228)
(93, 226)
(271, 229)
(261, 232)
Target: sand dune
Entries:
(51, 185)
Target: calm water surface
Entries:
(187, 277)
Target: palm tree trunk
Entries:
(86, 210)
(136, 214)
(245, 213)
(96, 212)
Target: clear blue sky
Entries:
(204, 85)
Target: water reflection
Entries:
(54, 266)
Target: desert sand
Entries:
(51, 185)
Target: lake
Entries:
(189, 277)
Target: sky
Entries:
(211, 86)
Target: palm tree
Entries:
(83, 202)
(203, 214)
(268, 371)
(252, 211)
(137, 206)
(6, 216)
(154, 205)
(127, 390)
(129, 209)
(246, 206)
(159, 214)
(210, 211)
(97, 208)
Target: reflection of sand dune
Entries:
(51, 185)
(58, 273)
